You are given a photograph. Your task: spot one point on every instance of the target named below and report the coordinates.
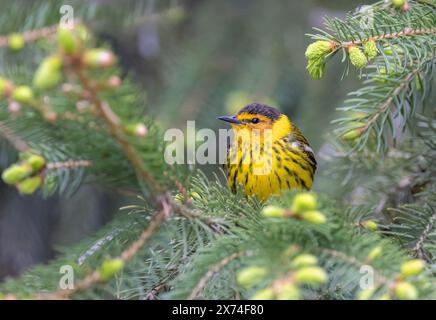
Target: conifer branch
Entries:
(407, 32)
(214, 270)
(72, 164)
(357, 263)
(106, 114)
(418, 249)
(95, 276)
(15, 141)
(30, 36)
(402, 85)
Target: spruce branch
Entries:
(214, 270)
(96, 276)
(15, 141)
(407, 32)
(357, 263)
(110, 119)
(72, 164)
(418, 249)
(33, 35)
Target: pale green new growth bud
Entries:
(316, 68)
(4, 83)
(67, 40)
(374, 253)
(288, 291)
(273, 212)
(36, 162)
(16, 41)
(318, 49)
(357, 57)
(304, 260)
(370, 49)
(264, 294)
(406, 291)
(398, 3)
(412, 268)
(110, 267)
(366, 294)
(371, 225)
(99, 58)
(15, 173)
(303, 201)
(22, 94)
(249, 276)
(48, 73)
(310, 275)
(314, 216)
(29, 185)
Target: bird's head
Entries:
(257, 116)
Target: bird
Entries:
(268, 153)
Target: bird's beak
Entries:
(231, 119)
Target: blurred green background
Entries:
(196, 60)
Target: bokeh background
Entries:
(196, 60)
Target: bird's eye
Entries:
(255, 120)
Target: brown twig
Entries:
(214, 270)
(385, 106)
(95, 276)
(72, 164)
(34, 35)
(15, 141)
(404, 33)
(418, 249)
(111, 120)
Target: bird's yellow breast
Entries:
(264, 167)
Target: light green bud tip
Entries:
(248, 277)
(29, 185)
(366, 294)
(316, 68)
(374, 253)
(314, 216)
(398, 3)
(412, 268)
(352, 134)
(22, 94)
(273, 212)
(371, 225)
(16, 41)
(99, 58)
(176, 14)
(264, 294)
(179, 198)
(370, 49)
(110, 267)
(406, 291)
(195, 195)
(357, 57)
(66, 40)
(288, 291)
(15, 173)
(3, 85)
(318, 49)
(310, 275)
(304, 260)
(37, 162)
(303, 201)
(48, 73)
